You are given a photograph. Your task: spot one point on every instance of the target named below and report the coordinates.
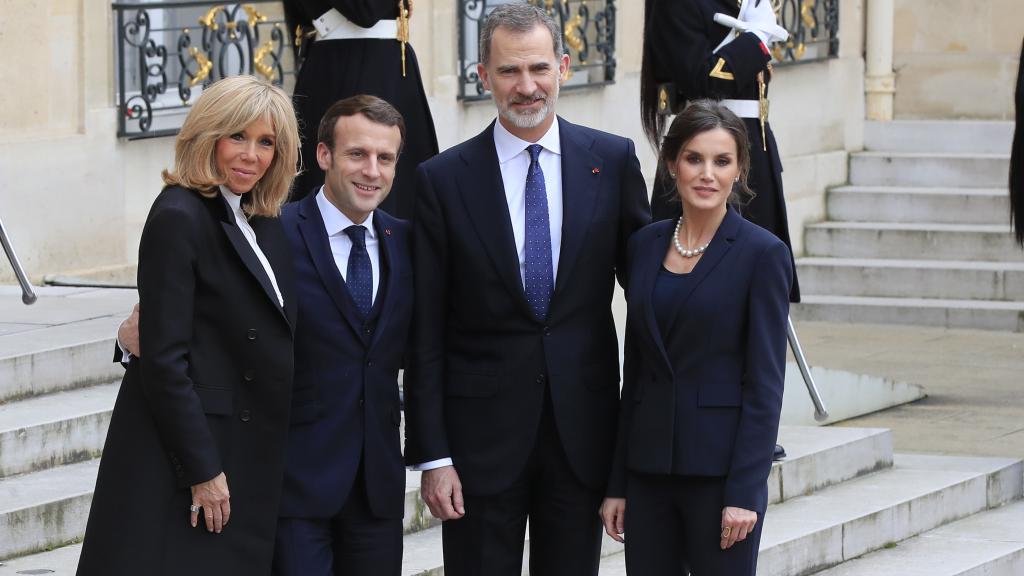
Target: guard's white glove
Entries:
(760, 17)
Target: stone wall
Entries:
(956, 58)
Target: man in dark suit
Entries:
(344, 481)
(343, 499)
(512, 388)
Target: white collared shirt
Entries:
(514, 162)
(235, 202)
(335, 223)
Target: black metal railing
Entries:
(813, 30)
(588, 27)
(166, 52)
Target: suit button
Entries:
(369, 363)
(547, 331)
(368, 331)
(251, 334)
(249, 375)
(541, 379)
(244, 416)
(361, 402)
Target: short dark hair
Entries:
(519, 18)
(374, 108)
(698, 117)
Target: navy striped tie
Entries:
(539, 277)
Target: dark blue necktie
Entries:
(539, 281)
(359, 277)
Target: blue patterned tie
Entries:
(539, 281)
(359, 277)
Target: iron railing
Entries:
(813, 27)
(167, 51)
(588, 27)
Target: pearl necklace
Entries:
(683, 251)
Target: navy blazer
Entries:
(345, 403)
(482, 364)
(730, 371)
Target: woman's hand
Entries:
(613, 514)
(215, 500)
(736, 524)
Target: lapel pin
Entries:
(595, 171)
(387, 231)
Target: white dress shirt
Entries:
(235, 202)
(514, 162)
(335, 223)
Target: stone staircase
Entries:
(921, 234)
(841, 502)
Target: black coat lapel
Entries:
(314, 234)
(581, 181)
(483, 194)
(248, 256)
(646, 274)
(270, 237)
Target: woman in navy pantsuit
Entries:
(704, 365)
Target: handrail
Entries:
(27, 295)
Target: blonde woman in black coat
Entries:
(192, 467)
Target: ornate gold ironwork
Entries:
(807, 14)
(572, 34)
(203, 66)
(253, 15)
(262, 53)
(209, 20)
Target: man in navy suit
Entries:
(343, 499)
(512, 389)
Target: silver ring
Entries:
(194, 508)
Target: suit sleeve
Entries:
(426, 439)
(634, 210)
(684, 46)
(631, 358)
(763, 379)
(167, 268)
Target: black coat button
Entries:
(369, 363)
(361, 401)
(249, 375)
(547, 331)
(368, 330)
(541, 379)
(244, 416)
(251, 334)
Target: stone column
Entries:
(879, 79)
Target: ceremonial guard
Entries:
(715, 49)
(354, 47)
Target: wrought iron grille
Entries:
(813, 30)
(167, 51)
(588, 27)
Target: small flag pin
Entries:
(596, 171)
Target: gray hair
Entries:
(520, 18)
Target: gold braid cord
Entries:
(403, 29)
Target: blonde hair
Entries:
(226, 107)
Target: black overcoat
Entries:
(336, 69)
(680, 41)
(210, 394)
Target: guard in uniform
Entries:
(360, 47)
(688, 55)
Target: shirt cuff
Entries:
(126, 356)
(432, 465)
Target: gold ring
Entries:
(726, 531)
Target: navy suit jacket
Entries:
(345, 401)
(729, 370)
(482, 364)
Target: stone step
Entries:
(989, 137)
(61, 428)
(920, 493)
(910, 204)
(912, 241)
(65, 357)
(989, 543)
(933, 170)
(61, 561)
(945, 279)
(967, 314)
(42, 510)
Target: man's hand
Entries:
(442, 491)
(128, 333)
(613, 515)
(214, 499)
(736, 524)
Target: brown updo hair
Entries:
(698, 117)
